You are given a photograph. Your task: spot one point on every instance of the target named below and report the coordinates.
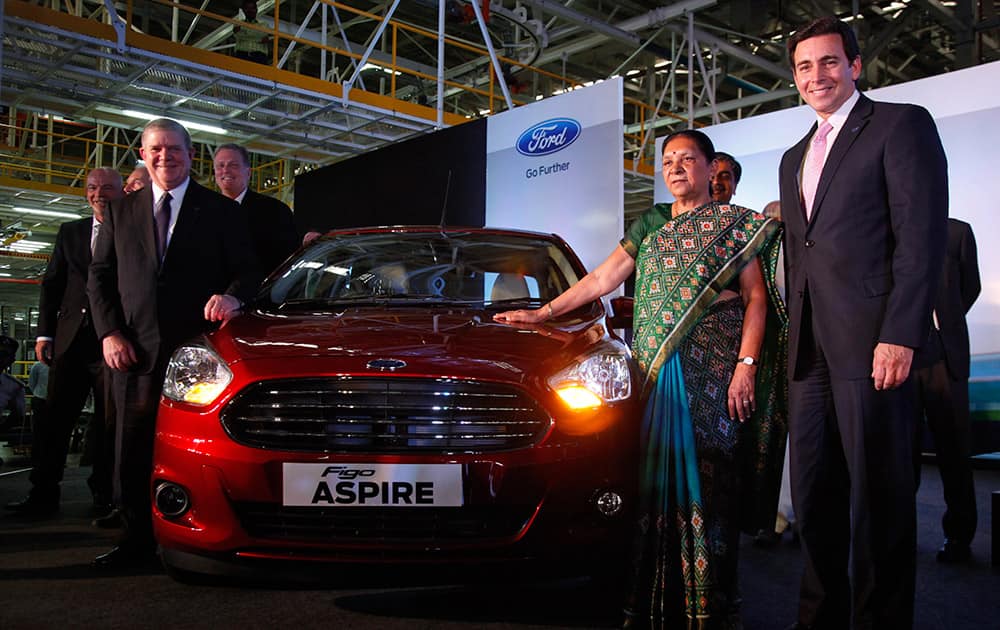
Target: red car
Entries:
(367, 408)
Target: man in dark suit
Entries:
(864, 196)
(170, 260)
(271, 227)
(67, 343)
(943, 390)
(725, 177)
(137, 179)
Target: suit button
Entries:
(810, 243)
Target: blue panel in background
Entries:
(984, 403)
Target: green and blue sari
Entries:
(703, 475)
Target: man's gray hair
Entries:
(168, 124)
(115, 175)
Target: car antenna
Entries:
(444, 207)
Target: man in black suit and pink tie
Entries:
(171, 261)
(864, 196)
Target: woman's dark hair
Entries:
(703, 141)
(825, 26)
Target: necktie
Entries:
(162, 218)
(93, 236)
(814, 166)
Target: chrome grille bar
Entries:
(384, 415)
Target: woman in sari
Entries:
(707, 341)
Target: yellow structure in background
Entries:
(41, 151)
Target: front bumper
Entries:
(532, 503)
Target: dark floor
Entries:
(46, 582)
(947, 597)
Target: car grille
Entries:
(384, 416)
(402, 524)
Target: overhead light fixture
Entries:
(187, 124)
(371, 66)
(48, 213)
(5, 275)
(26, 246)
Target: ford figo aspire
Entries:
(367, 408)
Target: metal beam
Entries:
(944, 15)
(874, 48)
(622, 31)
(747, 101)
(948, 17)
(736, 52)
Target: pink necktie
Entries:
(814, 166)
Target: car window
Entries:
(481, 268)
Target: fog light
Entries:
(609, 503)
(171, 500)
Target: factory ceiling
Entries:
(344, 78)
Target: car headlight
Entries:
(596, 379)
(196, 375)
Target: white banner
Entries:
(556, 165)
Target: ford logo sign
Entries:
(385, 365)
(548, 136)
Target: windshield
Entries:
(469, 268)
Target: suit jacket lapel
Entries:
(855, 122)
(142, 209)
(794, 164)
(187, 219)
(80, 248)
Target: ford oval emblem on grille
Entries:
(386, 365)
(548, 136)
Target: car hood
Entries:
(429, 340)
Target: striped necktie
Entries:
(162, 218)
(814, 167)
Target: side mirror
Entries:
(621, 312)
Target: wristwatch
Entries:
(748, 361)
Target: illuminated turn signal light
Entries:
(578, 397)
(203, 393)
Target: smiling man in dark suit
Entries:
(864, 196)
(271, 226)
(170, 260)
(67, 343)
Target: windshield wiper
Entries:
(318, 302)
(514, 301)
(431, 299)
(375, 300)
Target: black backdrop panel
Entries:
(401, 184)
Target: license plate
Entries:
(375, 485)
